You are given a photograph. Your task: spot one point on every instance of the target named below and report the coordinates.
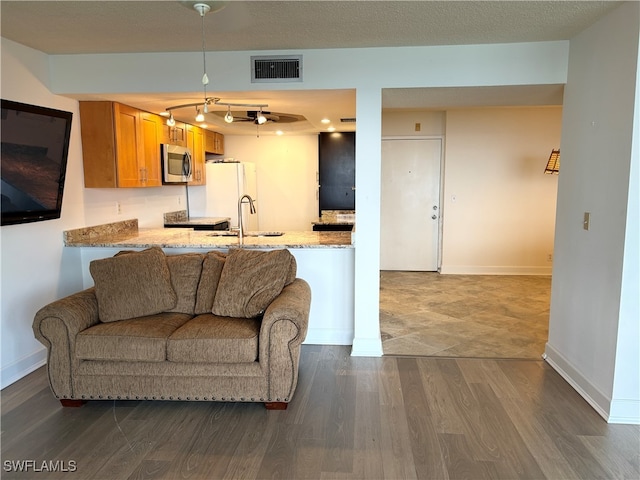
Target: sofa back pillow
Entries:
(293, 271)
(209, 278)
(132, 285)
(185, 270)
(250, 281)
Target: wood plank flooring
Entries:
(351, 418)
(488, 316)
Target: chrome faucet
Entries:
(252, 210)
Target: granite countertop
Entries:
(336, 217)
(331, 222)
(126, 234)
(180, 218)
(197, 221)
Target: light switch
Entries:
(587, 220)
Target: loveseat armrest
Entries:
(283, 329)
(56, 326)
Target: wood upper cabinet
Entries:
(120, 146)
(151, 126)
(195, 142)
(176, 135)
(213, 142)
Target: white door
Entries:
(410, 204)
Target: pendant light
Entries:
(203, 9)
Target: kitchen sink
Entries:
(223, 233)
(263, 234)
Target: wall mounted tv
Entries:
(35, 144)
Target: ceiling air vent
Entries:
(348, 120)
(276, 68)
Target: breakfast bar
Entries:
(324, 259)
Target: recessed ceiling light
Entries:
(331, 129)
(279, 132)
(325, 120)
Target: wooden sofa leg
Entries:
(276, 405)
(71, 402)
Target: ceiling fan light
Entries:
(171, 121)
(199, 116)
(261, 119)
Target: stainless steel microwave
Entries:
(177, 164)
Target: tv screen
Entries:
(35, 144)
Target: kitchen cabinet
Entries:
(195, 142)
(151, 126)
(120, 146)
(176, 135)
(213, 142)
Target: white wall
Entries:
(503, 217)
(593, 330)
(35, 267)
(286, 169)
(498, 206)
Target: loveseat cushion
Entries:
(250, 281)
(137, 339)
(185, 270)
(209, 338)
(211, 271)
(133, 285)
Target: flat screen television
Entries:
(35, 144)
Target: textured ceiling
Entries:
(94, 26)
(166, 26)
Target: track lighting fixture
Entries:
(228, 117)
(203, 106)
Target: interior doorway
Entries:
(410, 204)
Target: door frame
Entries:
(441, 138)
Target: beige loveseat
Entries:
(206, 327)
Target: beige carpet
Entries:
(489, 316)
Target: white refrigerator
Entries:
(226, 183)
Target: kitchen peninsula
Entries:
(324, 259)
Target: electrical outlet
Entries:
(550, 257)
(178, 200)
(118, 208)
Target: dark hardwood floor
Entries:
(351, 418)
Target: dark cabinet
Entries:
(337, 171)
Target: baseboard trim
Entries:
(367, 347)
(22, 367)
(594, 397)
(323, 336)
(625, 412)
(493, 270)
